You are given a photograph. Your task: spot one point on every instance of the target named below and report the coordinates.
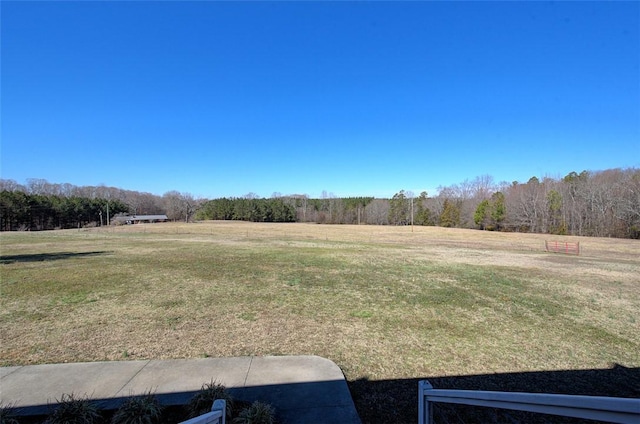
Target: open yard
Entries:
(387, 304)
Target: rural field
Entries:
(390, 306)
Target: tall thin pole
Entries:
(412, 214)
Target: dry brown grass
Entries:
(384, 303)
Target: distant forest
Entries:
(602, 204)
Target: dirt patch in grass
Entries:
(384, 303)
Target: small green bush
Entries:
(145, 409)
(74, 410)
(202, 402)
(257, 413)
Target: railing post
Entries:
(425, 411)
(609, 409)
(220, 405)
(217, 415)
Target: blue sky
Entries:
(355, 98)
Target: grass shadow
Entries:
(397, 400)
(41, 257)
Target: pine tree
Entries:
(450, 216)
(498, 209)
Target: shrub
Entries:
(73, 410)
(257, 413)
(6, 414)
(145, 409)
(202, 402)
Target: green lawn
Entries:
(384, 303)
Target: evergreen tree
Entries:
(398, 209)
(554, 203)
(423, 213)
(450, 216)
(482, 214)
(498, 210)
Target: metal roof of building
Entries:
(141, 218)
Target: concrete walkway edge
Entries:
(303, 389)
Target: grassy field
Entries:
(387, 304)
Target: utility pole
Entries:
(101, 218)
(412, 213)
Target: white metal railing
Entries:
(217, 415)
(609, 409)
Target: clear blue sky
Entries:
(355, 98)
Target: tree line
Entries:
(294, 208)
(602, 203)
(247, 209)
(41, 205)
(23, 211)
